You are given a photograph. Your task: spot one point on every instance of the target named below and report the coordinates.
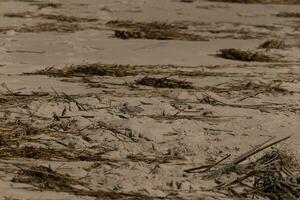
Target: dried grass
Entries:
(289, 14)
(42, 5)
(273, 44)
(45, 178)
(247, 56)
(60, 18)
(157, 35)
(274, 175)
(164, 83)
(89, 70)
(260, 1)
(146, 25)
(50, 27)
(153, 30)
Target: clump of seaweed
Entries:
(164, 83)
(261, 1)
(102, 70)
(39, 153)
(34, 153)
(6, 29)
(248, 56)
(273, 44)
(70, 19)
(45, 178)
(145, 25)
(187, 1)
(157, 35)
(252, 89)
(153, 30)
(50, 27)
(89, 70)
(60, 18)
(47, 5)
(19, 15)
(288, 14)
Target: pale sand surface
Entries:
(196, 131)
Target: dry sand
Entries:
(117, 136)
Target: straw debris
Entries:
(153, 30)
(145, 25)
(252, 89)
(273, 44)
(50, 27)
(289, 14)
(157, 35)
(89, 70)
(261, 1)
(274, 175)
(45, 178)
(247, 56)
(60, 18)
(164, 83)
(47, 5)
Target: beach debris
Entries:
(96, 69)
(273, 175)
(42, 5)
(146, 25)
(45, 178)
(50, 27)
(157, 35)
(252, 88)
(247, 56)
(59, 18)
(273, 44)
(164, 83)
(261, 1)
(153, 30)
(289, 14)
(187, 1)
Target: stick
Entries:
(206, 167)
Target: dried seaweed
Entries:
(153, 30)
(42, 5)
(46, 178)
(38, 153)
(69, 19)
(273, 44)
(274, 175)
(164, 83)
(18, 15)
(187, 1)
(89, 70)
(60, 18)
(50, 27)
(32, 153)
(157, 35)
(248, 56)
(289, 14)
(261, 1)
(146, 25)
(251, 89)
(6, 29)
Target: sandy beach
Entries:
(137, 99)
